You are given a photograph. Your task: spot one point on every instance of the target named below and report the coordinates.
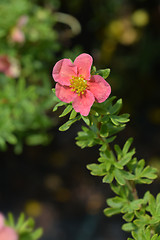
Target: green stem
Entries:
(132, 188)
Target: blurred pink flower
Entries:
(6, 233)
(14, 70)
(22, 21)
(17, 35)
(75, 83)
(4, 63)
(9, 67)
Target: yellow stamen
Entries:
(78, 85)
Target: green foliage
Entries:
(103, 124)
(119, 167)
(28, 42)
(24, 228)
(22, 115)
(68, 109)
(144, 234)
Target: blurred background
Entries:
(43, 172)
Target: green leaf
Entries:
(108, 178)
(116, 107)
(119, 177)
(127, 145)
(20, 221)
(104, 72)
(127, 157)
(73, 114)
(128, 227)
(86, 138)
(142, 221)
(10, 138)
(86, 120)
(11, 220)
(110, 139)
(103, 130)
(66, 110)
(111, 211)
(152, 205)
(132, 164)
(116, 202)
(37, 234)
(108, 165)
(117, 120)
(128, 217)
(139, 167)
(158, 204)
(116, 189)
(155, 237)
(97, 169)
(127, 175)
(118, 151)
(143, 181)
(135, 235)
(103, 147)
(60, 104)
(149, 172)
(67, 125)
(93, 70)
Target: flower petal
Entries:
(2, 219)
(63, 71)
(8, 233)
(99, 87)
(64, 93)
(84, 63)
(83, 103)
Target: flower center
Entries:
(78, 85)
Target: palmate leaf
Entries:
(86, 138)
(144, 234)
(154, 208)
(108, 178)
(144, 174)
(116, 107)
(127, 157)
(117, 120)
(127, 145)
(24, 227)
(97, 169)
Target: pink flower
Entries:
(75, 83)
(4, 63)
(22, 21)
(10, 67)
(17, 35)
(6, 233)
